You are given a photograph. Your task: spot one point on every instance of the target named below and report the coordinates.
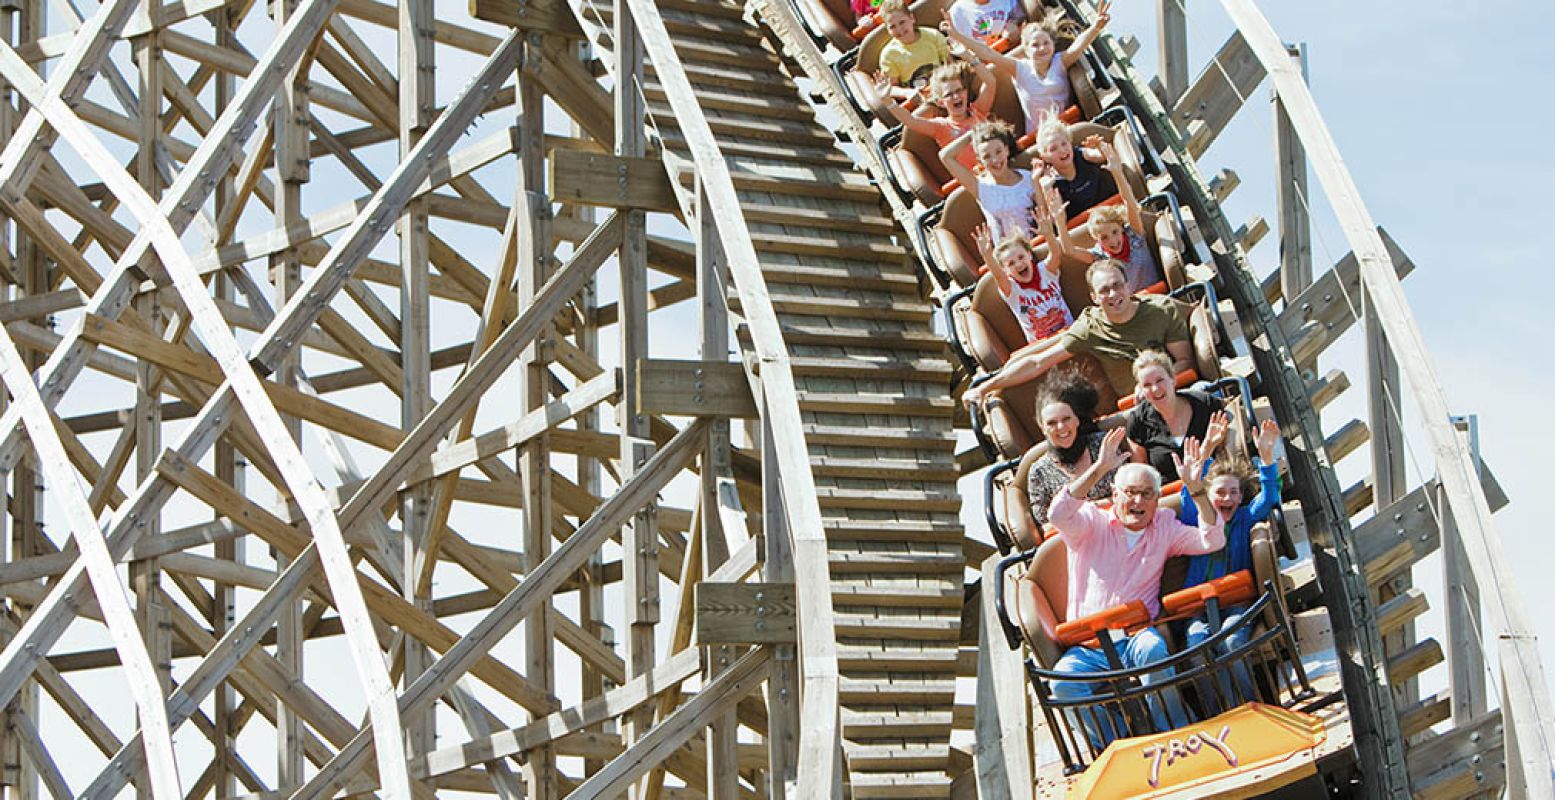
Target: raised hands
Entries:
(1190, 465)
(1103, 14)
(1114, 449)
(1215, 434)
(1267, 437)
(983, 238)
(1109, 153)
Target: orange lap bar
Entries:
(1231, 590)
(1084, 629)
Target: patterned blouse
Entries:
(1047, 478)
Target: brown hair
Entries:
(1101, 265)
(892, 7)
(1062, 30)
(995, 130)
(1233, 467)
(1014, 241)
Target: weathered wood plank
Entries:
(745, 613)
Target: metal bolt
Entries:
(1328, 298)
(1398, 517)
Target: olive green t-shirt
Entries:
(1157, 321)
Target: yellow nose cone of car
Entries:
(1248, 750)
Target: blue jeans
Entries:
(1198, 631)
(1141, 649)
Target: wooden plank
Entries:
(613, 703)
(695, 388)
(721, 693)
(539, 16)
(745, 613)
(538, 585)
(1327, 309)
(1424, 713)
(1218, 92)
(1171, 25)
(599, 179)
(1004, 727)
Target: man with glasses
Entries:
(1115, 557)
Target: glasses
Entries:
(1139, 494)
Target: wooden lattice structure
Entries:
(395, 352)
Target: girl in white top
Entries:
(1039, 70)
(1030, 287)
(1004, 193)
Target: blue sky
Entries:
(1431, 108)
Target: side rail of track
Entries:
(772, 383)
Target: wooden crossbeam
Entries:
(597, 179)
(698, 388)
(745, 613)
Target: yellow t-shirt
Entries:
(906, 63)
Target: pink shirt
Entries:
(1104, 573)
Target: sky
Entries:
(1430, 107)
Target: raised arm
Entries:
(1056, 208)
(1044, 227)
(1268, 497)
(1088, 36)
(881, 86)
(1210, 533)
(984, 240)
(1113, 455)
(990, 86)
(1114, 164)
(950, 156)
(1019, 369)
(978, 49)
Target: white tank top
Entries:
(1006, 208)
(1041, 93)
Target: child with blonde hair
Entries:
(1084, 176)
(1041, 73)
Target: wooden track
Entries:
(873, 392)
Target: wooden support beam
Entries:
(1004, 729)
(1171, 25)
(537, 16)
(745, 613)
(723, 692)
(695, 388)
(1466, 761)
(1218, 93)
(1327, 309)
(554, 726)
(1290, 162)
(598, 179)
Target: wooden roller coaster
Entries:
(396, 351)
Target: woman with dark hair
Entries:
(1067, 413)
